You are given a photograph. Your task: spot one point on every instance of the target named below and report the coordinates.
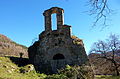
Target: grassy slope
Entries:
(9, 70)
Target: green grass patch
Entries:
(9, 70)
(107, 77)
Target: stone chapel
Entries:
(56, 48)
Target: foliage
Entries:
(69, 71)
(76, 40)
(80, 72)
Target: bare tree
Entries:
(101, 10)
(109, 50)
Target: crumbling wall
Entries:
(56, 48)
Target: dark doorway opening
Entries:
(58, 57)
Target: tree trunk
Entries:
(116, 68)
(117, 71)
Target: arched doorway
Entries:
(57, 62)
(58, 57)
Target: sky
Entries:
(23, 20)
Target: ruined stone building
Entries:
(56, 48)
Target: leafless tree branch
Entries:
(100, 9)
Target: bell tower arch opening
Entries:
(54, 21)
(59, 18)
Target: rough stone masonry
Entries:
(56, 48)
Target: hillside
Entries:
(9, 70)
(101, 66)
(11, 48)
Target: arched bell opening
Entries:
(58, 17)
(54, 21)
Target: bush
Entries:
(78, 72)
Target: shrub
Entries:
(78, 72)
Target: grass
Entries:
(107, 77)
(9, 70)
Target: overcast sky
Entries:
(23, 21)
